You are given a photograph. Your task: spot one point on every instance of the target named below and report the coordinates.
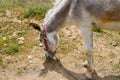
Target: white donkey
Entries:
(83, 13)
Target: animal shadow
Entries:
(55, 65)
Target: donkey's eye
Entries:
(41, 25)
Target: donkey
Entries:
(83, 13)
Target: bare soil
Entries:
(31, 64)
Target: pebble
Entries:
(8, 13)
(5, 45)
(14, 34)
(69, 35)
(4, 38)
(30, 57)
(20, 42)
(30, 61)
(21, 39)
(41, 45)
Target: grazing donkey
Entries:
(83, 13)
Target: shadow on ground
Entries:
(55, 65)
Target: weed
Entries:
(1, 60)
(36, 10)
(7, 4)
(114, 42)
(27, 8)
(119, 33)
(118, 76)
(116, 66)
(21, 33)
(12, 48)
(97, 29)
(1, 42)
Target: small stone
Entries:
(21, 39)
(20, 42)
(69, 35)
(30, 61)
(4, 38)
(14, 35)
(5, 45)
(8, 13)
(30, 57)
(41, 45)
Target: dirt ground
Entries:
(32, 65)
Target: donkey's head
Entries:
(48, 47)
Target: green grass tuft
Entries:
(1, 60)
(1, 42)
(8, 4)
(36, 10)
(12, 48)
(27, 9)
(97, 29)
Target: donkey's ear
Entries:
(35, 26)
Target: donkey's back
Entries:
(105, 13)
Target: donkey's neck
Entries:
(58, 16)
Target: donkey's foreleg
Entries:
(88, 43)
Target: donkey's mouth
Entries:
(48, 55)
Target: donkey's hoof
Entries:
(48, 57)
(86, 78)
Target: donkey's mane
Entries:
(55, 4)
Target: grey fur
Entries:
(99, 10)
(59, 17)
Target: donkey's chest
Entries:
(110, 16)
